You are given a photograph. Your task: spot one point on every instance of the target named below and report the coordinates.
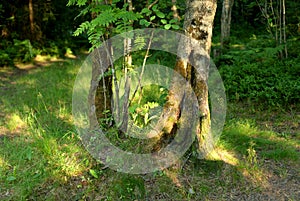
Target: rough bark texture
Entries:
(225, 23)
(198, 25)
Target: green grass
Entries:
(41, 156)
(39, 142)
(240, 134)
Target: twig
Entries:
(115, 81)
(150, 6)
(143, 68)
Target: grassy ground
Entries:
(41, 157)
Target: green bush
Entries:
(256, 72)
(16, 51)
(273, 83)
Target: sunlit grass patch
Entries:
(49, 162)
(39, 102)
(219, 153)
(22, 169)
(64, 160)
(238, 135)
(14, 121)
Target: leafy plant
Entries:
(106, 16)
(155, 18)
(256, 74)
(16, 51)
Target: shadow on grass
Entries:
(47, 162)
(38, 140)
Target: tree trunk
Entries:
(284, 29)
(198, 25)
(280, 26)
(101, 87)
(225, 23)
(127, 63)
(31, 18)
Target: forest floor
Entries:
(42, 158)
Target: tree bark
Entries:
(198, 25)
(284, 29)
(31, 17)
(127, 64)
(225, 23)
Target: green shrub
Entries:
(274, 84)
(16, 51)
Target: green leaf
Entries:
(163, 21)
(146, 118)
(82, 28)
(11, 178)
(143, 22)
(152, 18)
(94, 173)
(175, 26)
(29, 155)
(154, 8)
(71, 2)
(160, 14)
(167, 26)
(81, 2)
(173, 21)
(146, 11)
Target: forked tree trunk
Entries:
(225, 23)
(198, 25)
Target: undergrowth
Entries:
(42, 158)
(255, 72)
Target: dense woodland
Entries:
(262, 34)
(255, 47)
(29, 28)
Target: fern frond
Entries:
(139, 42)
(127, 15)
(82, 28)
(100, 8)
(84, 12)
(104, 19)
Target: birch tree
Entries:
(198, 25)
(225, 23)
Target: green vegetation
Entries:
(42, 157)
(253, 72)
(48, 32)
